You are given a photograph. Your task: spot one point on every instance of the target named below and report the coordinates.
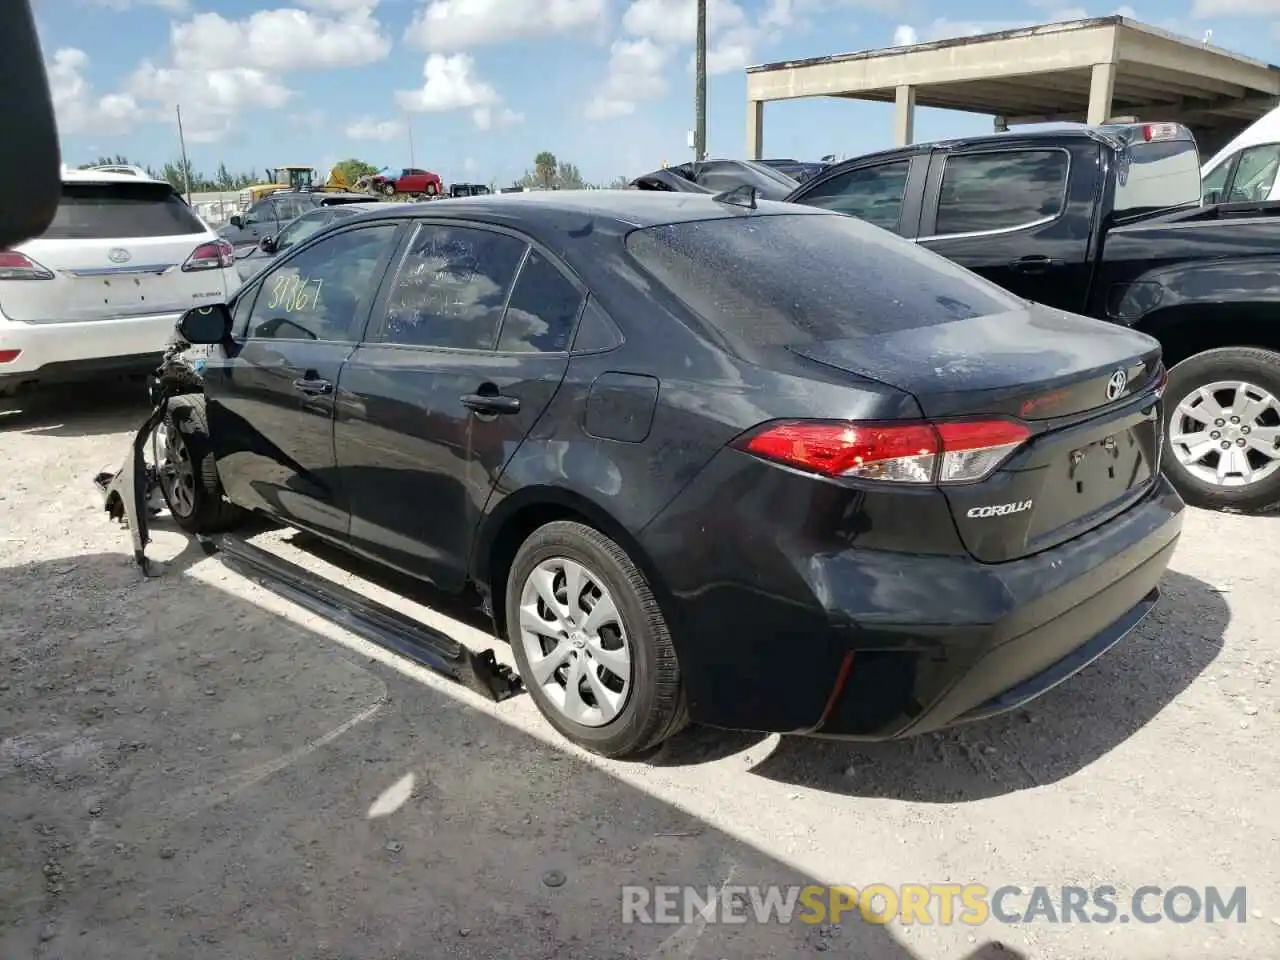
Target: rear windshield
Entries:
(1156, 176)
(784, 280)
(102, 211)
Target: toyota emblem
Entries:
(119, 255)
(1115, 386)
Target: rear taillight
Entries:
(8, 356)
(217, 255)
(18, 266)
(958, 451)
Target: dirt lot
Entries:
(192, 768)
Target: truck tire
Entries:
(389, 189)
(572, 665)
(1222, 439)
(190, 484)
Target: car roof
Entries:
(623, 208)
(105, 176)
(1112, 134)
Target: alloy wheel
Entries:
(576, 643)
(1227, 433)
(176, 471)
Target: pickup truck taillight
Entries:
(216, 255)
(18, 266)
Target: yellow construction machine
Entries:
(297, 177)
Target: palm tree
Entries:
(545, 164)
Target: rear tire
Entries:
(431, 190)
(189, 478)
(1236, 382)
(610, 715)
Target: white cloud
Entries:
(636, 72)
(216, 66)
(450, 83)
(489, 118)
(1202, 9)
(450, 25)
(281, 40)
(210, 99)
(367, 128)
(905, 35)
(78, 107)
(676, 21)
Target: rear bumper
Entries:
(875, 644)
(71, 351)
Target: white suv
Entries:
(99, 293)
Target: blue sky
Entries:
(485, 84)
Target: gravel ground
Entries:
(192, 768)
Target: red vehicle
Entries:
(409, 180)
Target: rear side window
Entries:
(103, 211)
(873, 194)
(787, 280)
(1001, 190)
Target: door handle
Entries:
(1034, 264)
(312, 386)
(490, 403)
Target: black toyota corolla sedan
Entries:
(748, 464)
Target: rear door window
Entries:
(873, 194)
(1001, 190)
(543, 309)
(101, 211)
(451, 288)
(791, 279)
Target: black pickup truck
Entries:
(1107, 221)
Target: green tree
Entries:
(353, 169)
(224, 178)
(546, 167)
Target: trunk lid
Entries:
(115, 249)
(1086, 388)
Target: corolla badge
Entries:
(1116, 385)
(119, 255)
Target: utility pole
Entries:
(182, 145)
(700, 123)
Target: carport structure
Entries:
(1081, 71)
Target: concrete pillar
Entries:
(904, 116)
(755, 129)
(1102, 85)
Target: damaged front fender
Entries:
(130, 493)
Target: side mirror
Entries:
(268, 244)
(236, 221)
(206, 325)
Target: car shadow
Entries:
(693, 745)
(1052, 738)
(189, 773)
(82, 410)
